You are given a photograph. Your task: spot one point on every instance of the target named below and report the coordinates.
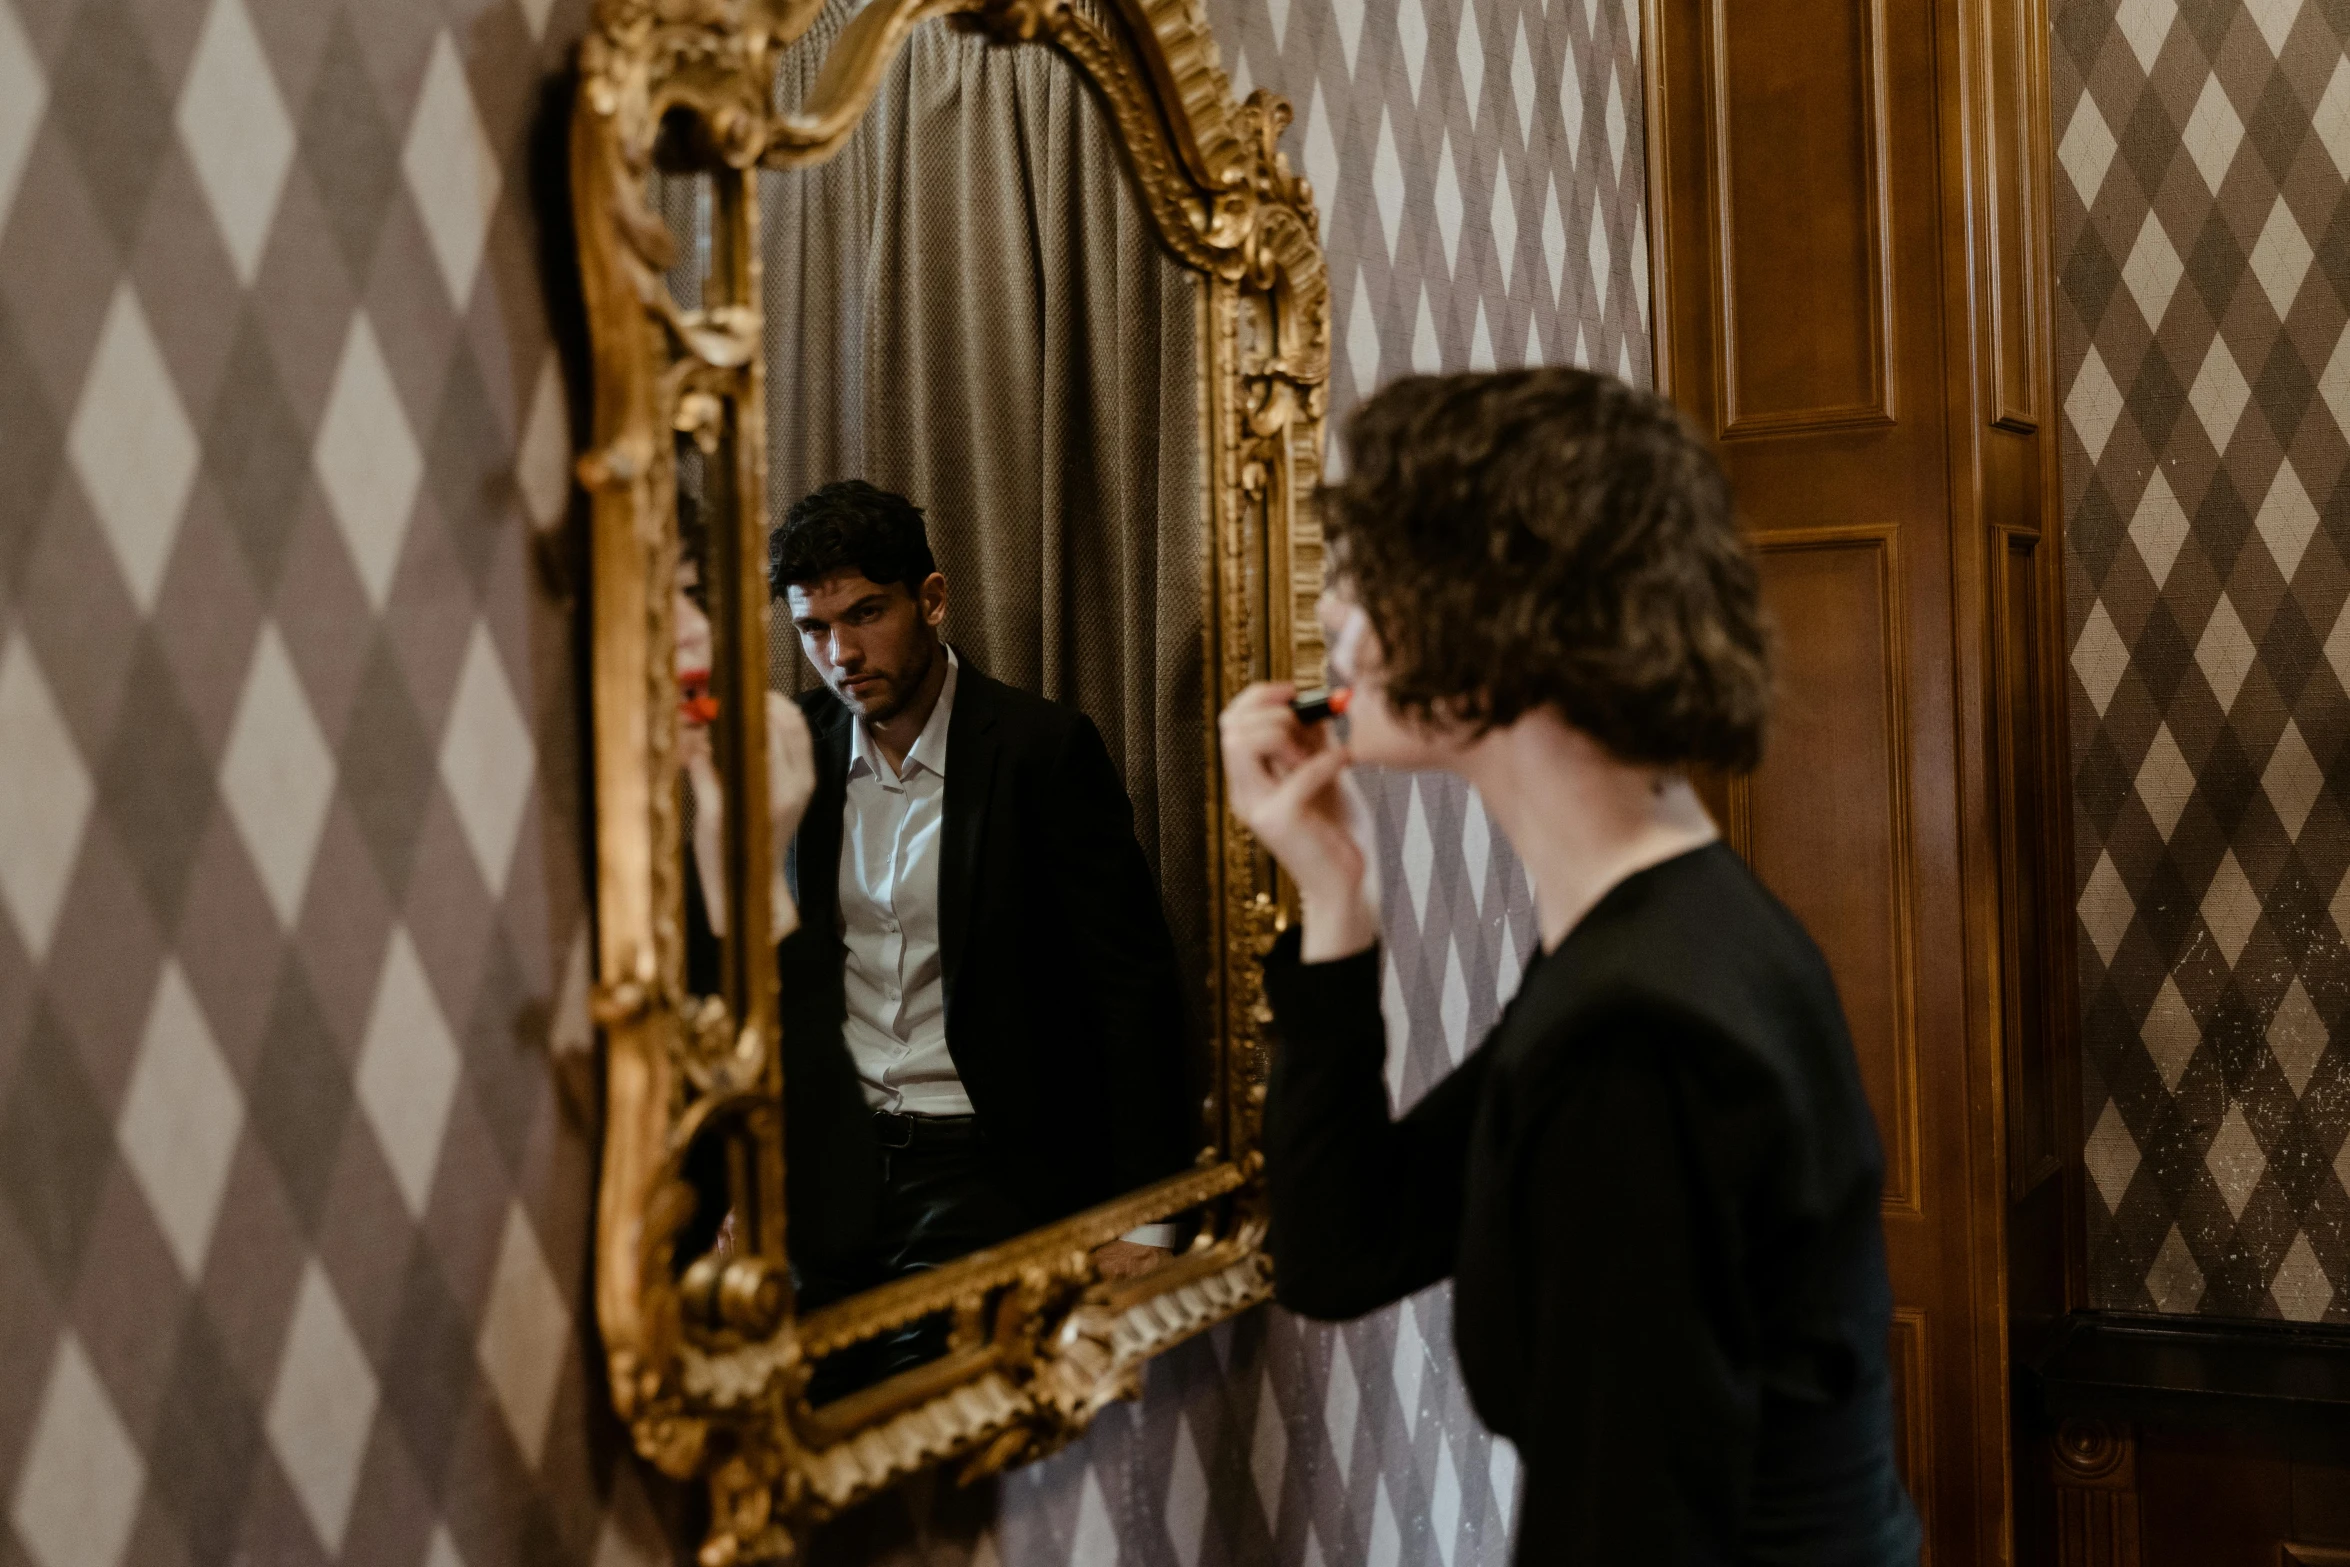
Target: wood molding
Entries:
(2099, 1455)
(1655, 146)
(2022, 738)
(2012, 43)
(1904, 1185)
(1875, 407)
(2197, 1372)
(2095, 1469)
(1913, 1409)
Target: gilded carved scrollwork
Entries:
(708, 1363)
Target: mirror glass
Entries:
(986, 478)
(702, 454)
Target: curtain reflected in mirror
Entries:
(969, 307)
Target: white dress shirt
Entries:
(893, 833)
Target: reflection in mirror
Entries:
(988, 564)
(705, 616)
(701, 828)
(966, 311)
(685, 202)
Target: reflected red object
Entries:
(694, 698)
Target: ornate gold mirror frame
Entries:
(708, 1366)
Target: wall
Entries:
(294, 1184)
(2203, 255)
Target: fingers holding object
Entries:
(1309, 778)
(1260, 728)
(1306, 794)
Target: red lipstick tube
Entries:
(1312, 707)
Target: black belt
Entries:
(907, 1131)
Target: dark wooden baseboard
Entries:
(2239, 1375)
(2178, 1442)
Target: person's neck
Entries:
(1581, 819)
(896, 734)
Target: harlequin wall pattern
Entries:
(2203, 254)
(292, 1219)
(295, 1123)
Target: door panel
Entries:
(2014, 137)
(2035, 1117)
(1802, 328)
(1913, 1410)
(1832, 792)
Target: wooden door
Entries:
(1852, 299)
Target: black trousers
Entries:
(938, 1202)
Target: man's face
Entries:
(871, 643)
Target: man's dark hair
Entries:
(850, 524)
(1554, 538)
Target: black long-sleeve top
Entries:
(1655, 1185)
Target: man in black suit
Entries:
(983, 1012)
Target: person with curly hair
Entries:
(1655, 1184)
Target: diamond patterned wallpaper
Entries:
(2203, 251)
(294, 1177)
(293, 1218)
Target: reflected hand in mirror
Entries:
(984, 1015)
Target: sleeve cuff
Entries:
(1341, 996)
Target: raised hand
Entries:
(1283, 779)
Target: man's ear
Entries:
(931, 599)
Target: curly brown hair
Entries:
(1554, 538)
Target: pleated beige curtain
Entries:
(969, 306)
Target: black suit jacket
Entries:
(1064, 998)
